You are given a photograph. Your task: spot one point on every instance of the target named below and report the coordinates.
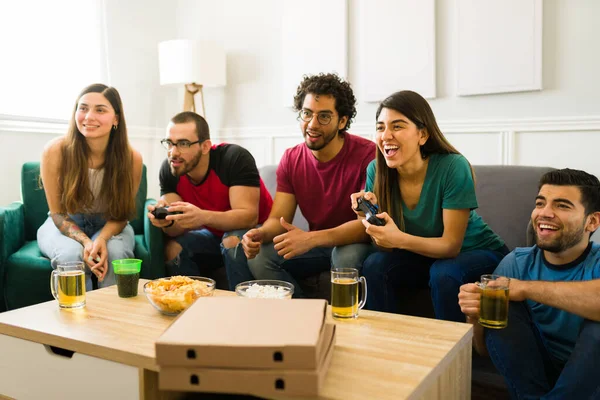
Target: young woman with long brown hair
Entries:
(91, 176)
(426, 194)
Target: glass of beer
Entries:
(493, 312)
(67, 284)
(344, 292)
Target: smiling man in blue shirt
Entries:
(551, 346)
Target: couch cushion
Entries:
(506, 197)
(268, 173)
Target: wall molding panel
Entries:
(490, 37)
(10, 124)
(388, 63)
(557, 142)
(503, 133)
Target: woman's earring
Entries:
(115, 127)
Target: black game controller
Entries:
(162, 212)
(370, 210)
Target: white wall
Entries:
(525, 128)
(559, 126)
(133, 30)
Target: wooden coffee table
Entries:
(106, 350)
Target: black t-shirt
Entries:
(229, 165)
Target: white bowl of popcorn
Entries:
(265, 289)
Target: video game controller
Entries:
(162, 212)
(370, 210)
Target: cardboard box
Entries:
(236, 332)
(258, 382)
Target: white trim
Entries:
(557, 124)
(32, 125)
(506, 130)
(18, 124)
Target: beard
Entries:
(326, 138)
(563, 242)
(186, 167)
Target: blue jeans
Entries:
(60, 248)
(520, 353)
(389, 273)
(198, 242)
(270, 265)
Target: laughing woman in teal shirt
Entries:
(426, 194)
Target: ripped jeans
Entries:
(60, 248)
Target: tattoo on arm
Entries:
(68, 227)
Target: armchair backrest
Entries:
(140, 205)
(35, 205)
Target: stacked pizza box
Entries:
(261, 347)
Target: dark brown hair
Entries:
(414, 107)
(117, 186)
(202, 129)
(588, 185)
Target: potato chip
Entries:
(175, 294)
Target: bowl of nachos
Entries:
(174, 294)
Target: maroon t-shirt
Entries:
(323, 189)
(229, 165)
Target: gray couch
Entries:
(506, 196)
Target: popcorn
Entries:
(255, 291)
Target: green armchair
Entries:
(25, 272)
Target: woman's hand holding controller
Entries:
(362, 194)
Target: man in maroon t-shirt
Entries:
(215, 188)
(319, 176)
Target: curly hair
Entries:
(330, 84)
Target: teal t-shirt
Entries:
(448, 185)
(559, 328)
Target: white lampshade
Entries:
(190, 61)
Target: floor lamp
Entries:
(194, 65)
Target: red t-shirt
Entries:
(229, 165)
(323, 190)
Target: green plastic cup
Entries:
(127, 272)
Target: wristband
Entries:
(171, 224)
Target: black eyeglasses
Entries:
(181, 145)
(307, 116)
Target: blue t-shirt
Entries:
(448, 185)
(559, 328)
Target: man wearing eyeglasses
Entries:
(215, 190)
(319, 176)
